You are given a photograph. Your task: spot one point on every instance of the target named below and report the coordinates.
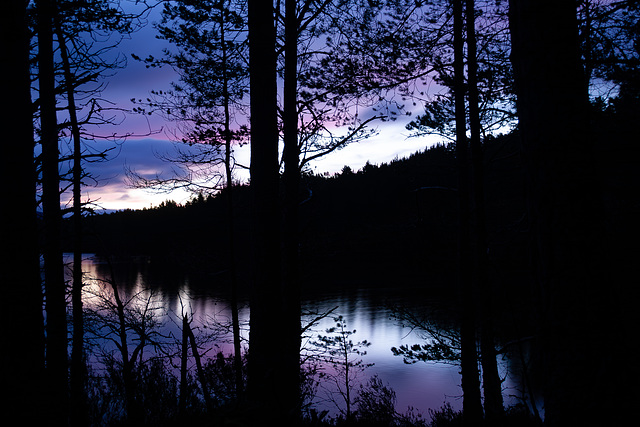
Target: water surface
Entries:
(368, 311)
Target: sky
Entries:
(151, 135)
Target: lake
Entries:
(368, 311)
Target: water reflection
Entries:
(421, 385)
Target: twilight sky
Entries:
(140, 153)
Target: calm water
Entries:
(421, 385)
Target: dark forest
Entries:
(530, 234)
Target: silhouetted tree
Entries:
(211, 63)
(82, 63)
(327, 103)
(338, 351)
(493, 76)
(207, 104)
(564, 205)
(291, 188)
(489, 103)
(301, 22)
(472, 407)
(608, 34)
(264, 389)
(320, 99)
(493, 402)
(55, 287)
(77, 368)
(304, 133)
(376, 403)
(22, 361)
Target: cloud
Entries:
(143, 156)
(109, 187)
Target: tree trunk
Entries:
(22, 360)
(264, 361)
(78, 369)
(53, 265)
(492, 386)
(576, 297)
(233, 270)
(291, 182)
(472, 406)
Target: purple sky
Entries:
(139, 152)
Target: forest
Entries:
(524, 218)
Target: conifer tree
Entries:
(22, 361)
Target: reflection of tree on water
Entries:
(136, 334)
(441, 344)
(136, 344)
(368, 311)
(130, 323)
(341, 364)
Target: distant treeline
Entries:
(396, 215)
(382, 224)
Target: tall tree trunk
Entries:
(492, 386)
(264, 389)
(78, 369)
(22, 357)
(233, 270)
(576, 294)
(53, 264)
(291, 182)
(472, 405)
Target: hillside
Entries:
(390, 219)
(385, 224)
